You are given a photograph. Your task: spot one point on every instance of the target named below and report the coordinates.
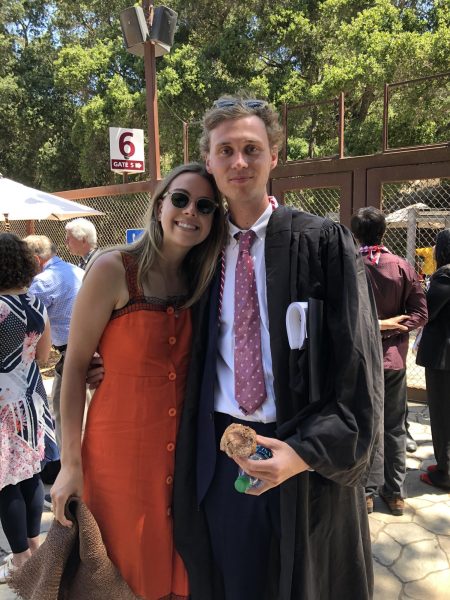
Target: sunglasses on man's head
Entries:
(205, 206)
(250, 103)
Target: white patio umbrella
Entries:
(21, 203)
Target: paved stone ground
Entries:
(411, 553)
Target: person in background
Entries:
(428, 261)
(81, 240)
(56, 285)
(434, 355)
(401, 307)
(27, 439)
(135, 306)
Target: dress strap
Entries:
(131, 270)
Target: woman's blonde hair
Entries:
(201, 260)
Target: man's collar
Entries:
(87, 256)
(260, 225)
(51, 261)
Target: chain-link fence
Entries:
(121, 213)
(324, 202)
(416, 211)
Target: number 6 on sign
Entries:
(126, 147)
(126, 150)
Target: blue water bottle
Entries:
(244, 481)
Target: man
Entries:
(81, 240)
(401, 307)
(304, 532)
(56, 285)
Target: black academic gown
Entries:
(325, 548)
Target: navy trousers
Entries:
(438, 390)
(244, 530)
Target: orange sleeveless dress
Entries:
(129, 442)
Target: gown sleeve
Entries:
(438, 295)
(337, 434)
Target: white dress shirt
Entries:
(225, 401)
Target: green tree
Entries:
(65, 77)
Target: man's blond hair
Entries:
(41, 245)
(231, 108)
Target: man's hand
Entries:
(285, 463)
(393, 323)
(96, 372)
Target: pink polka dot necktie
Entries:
(249, 385)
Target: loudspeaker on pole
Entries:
(163, 29)
(134, 29)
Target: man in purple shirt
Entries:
(401, 307)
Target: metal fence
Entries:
(416, 211)
(121, 213)
(324, 202)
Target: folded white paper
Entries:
(296, 317)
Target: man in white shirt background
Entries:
(81, 240)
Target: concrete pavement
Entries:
(411, 553)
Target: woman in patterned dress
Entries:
(26, 430)
(134, 307)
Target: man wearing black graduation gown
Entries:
(303, 534)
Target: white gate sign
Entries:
(126, 148)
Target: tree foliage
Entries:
(65, 77)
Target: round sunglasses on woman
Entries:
(205, 206)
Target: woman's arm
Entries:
(44, 344)
(103, 289)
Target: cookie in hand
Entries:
(238, 440)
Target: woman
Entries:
(26, 430)
(134, 306)
(434, 355)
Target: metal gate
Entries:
(412, 187)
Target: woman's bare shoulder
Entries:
(108, 263)
(107, 274)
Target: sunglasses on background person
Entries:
(250, 103)
(205, 206)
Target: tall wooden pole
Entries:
(341, 125)
(185, 142)
(385, 117)
(151, 103)
(30, 227)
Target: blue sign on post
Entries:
(132, 235)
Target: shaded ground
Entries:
(411, 553)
